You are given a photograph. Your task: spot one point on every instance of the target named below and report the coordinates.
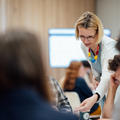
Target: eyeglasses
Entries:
(90, 38)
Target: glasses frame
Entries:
(89, 38)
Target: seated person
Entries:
(89, 76)
(114, 65)
(24, 90)
(61, 101)
(74, 81)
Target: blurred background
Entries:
(42, 15)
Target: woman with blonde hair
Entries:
(98, 50)
(74, 81)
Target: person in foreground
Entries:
(98, 50)
(24, 89)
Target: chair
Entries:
(74, 100)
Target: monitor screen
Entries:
(64, 48)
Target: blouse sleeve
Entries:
(108, 52)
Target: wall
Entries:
(108, 11)
(39, 15)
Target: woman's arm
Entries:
(107, 53)
(87, 104)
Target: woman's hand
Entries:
(87, 104)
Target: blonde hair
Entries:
(89, 20)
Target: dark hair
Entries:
(86, 63)
(21, 62)
(114, 63)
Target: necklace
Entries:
(93, 60)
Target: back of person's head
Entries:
(114, 63)
(21, 63)
(71, 75)
(86, 64)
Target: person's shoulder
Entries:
(32, 105)
(79, 79)
(108, 45)
(107, 41)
